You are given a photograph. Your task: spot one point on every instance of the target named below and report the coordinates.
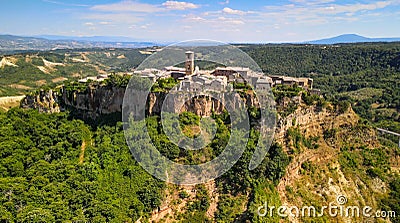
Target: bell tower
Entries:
(189, 64)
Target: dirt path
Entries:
(214, 195)
(82, 155)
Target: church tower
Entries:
(189, 64)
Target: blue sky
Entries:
(223, 20)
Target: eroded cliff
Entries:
(97, 100)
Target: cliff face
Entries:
(44, 101)
(95, 101)
(92, 102)
(318, 174)
(99, 100)
(199, 105)
(313, 120)
(202, 106)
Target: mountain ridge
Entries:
(90, 38)
(351, 38)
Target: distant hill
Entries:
(352, 38)
(91, 38)
(11, 43)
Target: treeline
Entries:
(300, 60)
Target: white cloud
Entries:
(65, 4)
(352, 8)
(175, 5)
(215, 21)
(135, 6)
(194, 18)
(319, 11)
(312, 2)
(321, 7)
(127, 6)
(233, 11)
(236, 22)
(224, 3)
(89, 24)
(230, 21)
(124, 18)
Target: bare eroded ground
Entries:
(9, 102)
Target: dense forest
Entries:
(55, 169)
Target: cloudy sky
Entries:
(223, 20)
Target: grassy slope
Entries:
(27, 72)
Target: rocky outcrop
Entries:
(200, 105)
(313, 120)
(43, 101)
(97, 100)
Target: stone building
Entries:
(306, 83)
(189, 64)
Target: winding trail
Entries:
(82, 155)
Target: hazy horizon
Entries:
(125, 39)
(228, 21)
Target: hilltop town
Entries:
(191, 78)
